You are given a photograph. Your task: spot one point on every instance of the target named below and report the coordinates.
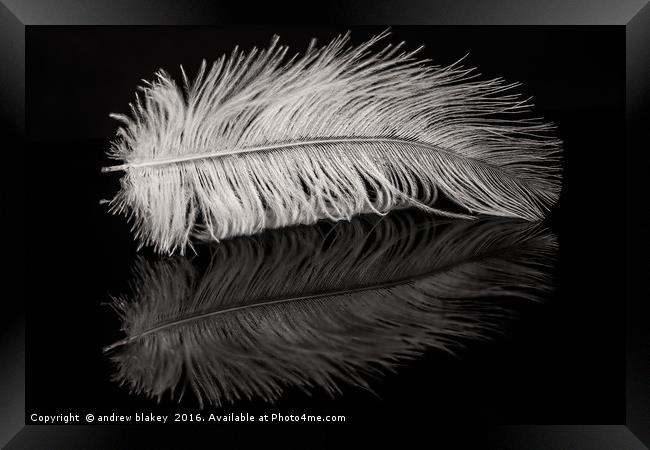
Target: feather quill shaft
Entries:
(268, 148)
(262, 140)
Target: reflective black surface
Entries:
(319, 307)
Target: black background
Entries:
(562, 362)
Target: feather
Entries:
(264, 140)
(311, 307)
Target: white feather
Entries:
(263, 140)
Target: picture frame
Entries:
(633, 16)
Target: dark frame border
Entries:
(15, 15)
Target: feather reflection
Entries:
(319, 306)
